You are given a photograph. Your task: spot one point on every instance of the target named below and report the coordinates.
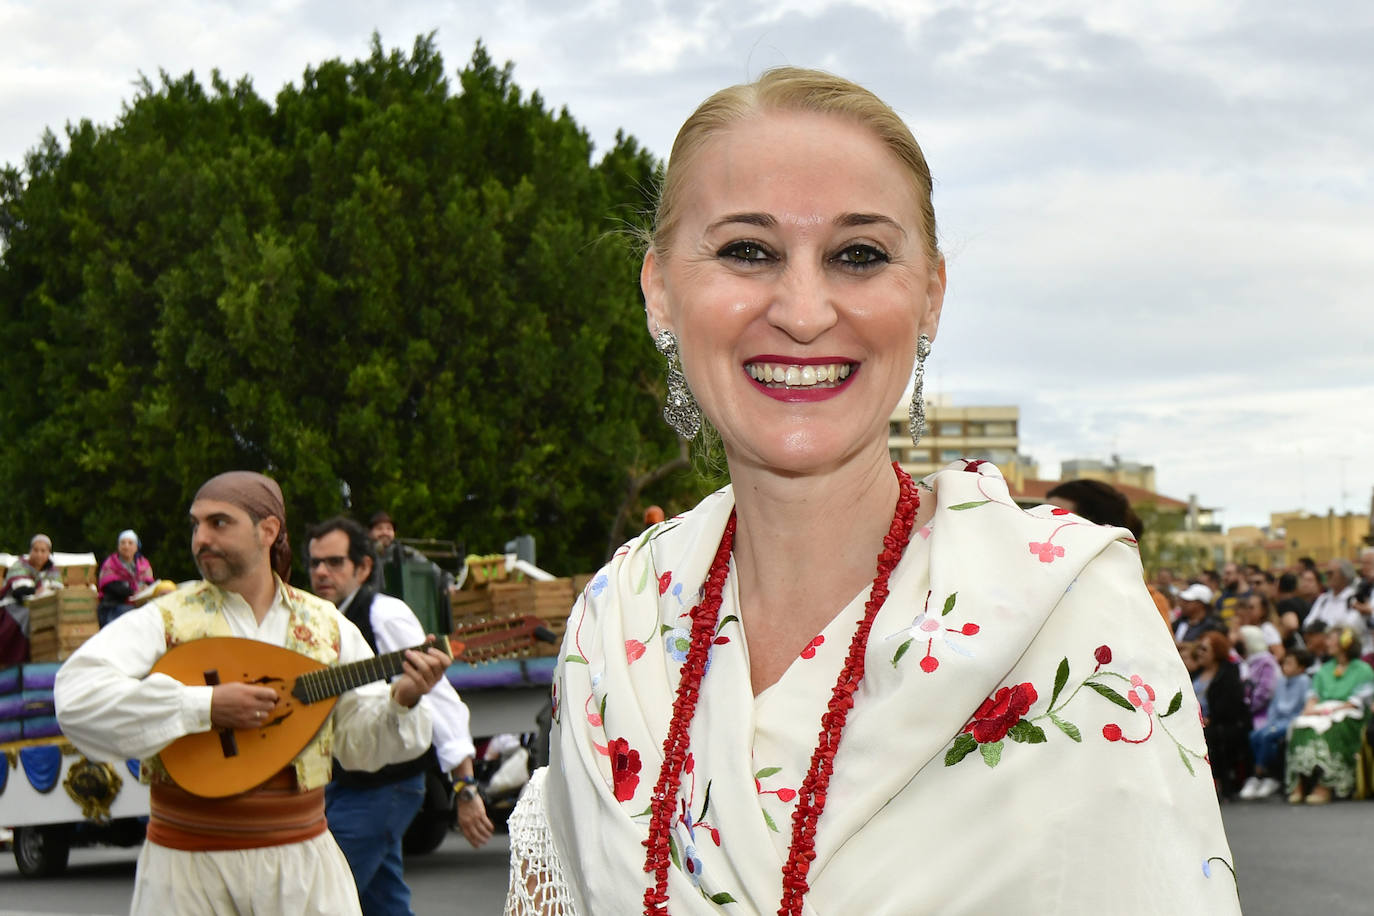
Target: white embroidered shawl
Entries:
(1025, 738)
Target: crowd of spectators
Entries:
(1281, 664)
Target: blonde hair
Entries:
(791, 89)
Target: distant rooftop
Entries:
(1035, 490)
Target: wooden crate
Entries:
(67, 605)
(511, 599)
(485, 570)
(553, 600)
(43, 646)
(56, 644)
(550, 649)
(78, 575)
(469, 602)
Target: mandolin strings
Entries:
(334, 680)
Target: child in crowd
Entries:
(1266, 743)
(1314, 637)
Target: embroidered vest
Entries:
(197, 611)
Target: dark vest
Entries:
(360, 612)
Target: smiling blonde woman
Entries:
(829, 688)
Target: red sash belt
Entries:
(273, 814)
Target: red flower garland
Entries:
(811, 797)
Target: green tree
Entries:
(1164, 543)
(377, 287)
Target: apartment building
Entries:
(1116, 472)
(991, 433)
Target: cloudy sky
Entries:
(1159, 217)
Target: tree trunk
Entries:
(636, 485)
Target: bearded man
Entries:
(267, 850)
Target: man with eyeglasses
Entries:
(268, 850)
(370, 811)
(1262, 582)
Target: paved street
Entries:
(1291, 860)
(454, 880)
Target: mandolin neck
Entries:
(336, 679)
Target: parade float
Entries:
(51, 796)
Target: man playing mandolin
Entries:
(265, 850)
(369, 812)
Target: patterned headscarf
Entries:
(260, 497)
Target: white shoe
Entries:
(1267, 787)
(1250, 789)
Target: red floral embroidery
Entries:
(1141, 694)
(1002, 715)
(1000, 712)
(302, 634)
(624, 769)
(664, 581)
(973, 465)
(785, 794)
(810, 650)
(633, 650)
(927, 627)
(1046, 552)
(1059, 511)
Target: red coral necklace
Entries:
(811, 796)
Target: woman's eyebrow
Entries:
(844, 220)
(851, 220)
(762, 220)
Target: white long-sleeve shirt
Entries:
(112, 708)
(395, 627)
(1334, 609)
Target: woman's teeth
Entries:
(798, 376)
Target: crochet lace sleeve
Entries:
(537, 884)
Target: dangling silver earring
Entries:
(917, 425)
(680, 410)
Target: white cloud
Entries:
(1156, 214)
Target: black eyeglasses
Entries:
(331, 562)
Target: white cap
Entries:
(1196, 592)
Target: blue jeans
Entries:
(368, 825)
(1266, 745)
(106, 613)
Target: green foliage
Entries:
(378, 286)
(1162, 544)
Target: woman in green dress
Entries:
(1324, 747)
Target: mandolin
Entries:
(224, 762)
